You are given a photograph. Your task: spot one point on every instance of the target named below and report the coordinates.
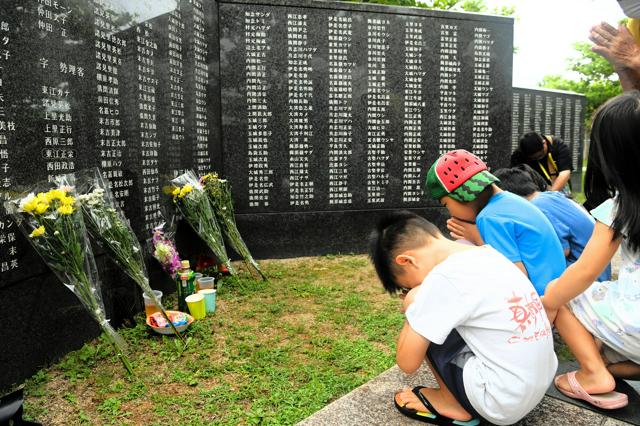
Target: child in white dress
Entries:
(600, 321)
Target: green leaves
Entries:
(595, 78)
(458, 5)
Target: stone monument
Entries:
(552, 112)
(322, 115)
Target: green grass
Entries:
(273, 353)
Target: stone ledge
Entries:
(372, 404)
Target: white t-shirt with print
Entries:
(498, 313)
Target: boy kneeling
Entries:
(475, 316)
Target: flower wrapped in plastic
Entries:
(219, 193)
(164, 249)
(108, 226)
(52, 221)
(193, 204)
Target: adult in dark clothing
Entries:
(549, 156)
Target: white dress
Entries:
(610, 310)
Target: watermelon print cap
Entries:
(460, 175)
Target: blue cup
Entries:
(209, 299)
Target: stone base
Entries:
(372, 404)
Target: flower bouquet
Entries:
(53, 224)
(108, 226)
(193, 204)
(164, 250)
(219, 193)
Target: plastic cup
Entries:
(207, 282)
(197, 276)
(196, 305)
(150, 308)
(209, 299)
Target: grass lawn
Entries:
(273, 353)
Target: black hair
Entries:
(596, 190)
(516, 181)
(398, 231)
(537, 179)
(612, 166)
(530, 143)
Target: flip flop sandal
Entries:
(432, 416)
(606, 401)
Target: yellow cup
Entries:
(196, 305)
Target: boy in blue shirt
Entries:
(484, 214)
(572, 223)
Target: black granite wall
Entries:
(322, 115)
(552, 112)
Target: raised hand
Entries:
(616, 45)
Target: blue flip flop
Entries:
(432, 416)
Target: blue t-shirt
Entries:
(517, 229)
(572, 223)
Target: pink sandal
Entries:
(607, 401)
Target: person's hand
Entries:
(460, 230)
(616, 45)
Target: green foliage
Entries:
(478, 6)
(389, 2)
(596, 78)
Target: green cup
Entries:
(209, 299)
(196, 305)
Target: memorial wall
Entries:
(332, 111)
(552, 112)
(323, 116)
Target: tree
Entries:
(596, 78)
(454, 5)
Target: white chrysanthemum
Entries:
(94, 198)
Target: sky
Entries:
(545, 31)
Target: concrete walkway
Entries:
(372, 404)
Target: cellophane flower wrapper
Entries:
(110, 229)
(193, 204)
(50, 217)
(219, 192)
(163, 248)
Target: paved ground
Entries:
(372, 404)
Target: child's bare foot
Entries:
(593, 383)
(445, 406)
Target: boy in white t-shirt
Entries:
(477, 318)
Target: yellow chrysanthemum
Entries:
(30, 207)
(185, 190)
(65, 209)
(37, 232)
(67, 201)
(56, 194)
(175, 192)
(41, 208)
(42, 198)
